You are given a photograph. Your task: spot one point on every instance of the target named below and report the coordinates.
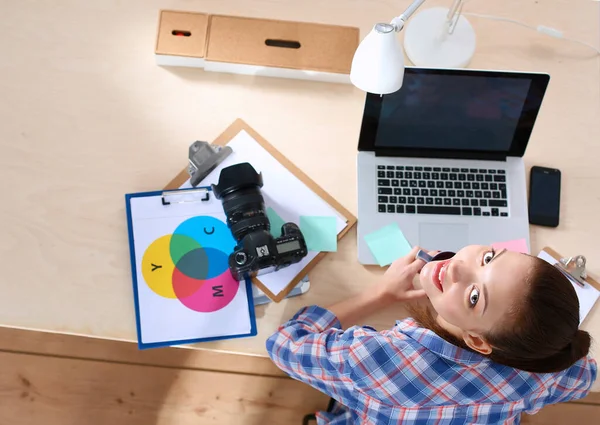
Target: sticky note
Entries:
(319, 232)
(276, 222)
(387, 244)
(518, 245)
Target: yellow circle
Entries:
(157, 267)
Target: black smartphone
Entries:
(544, 196)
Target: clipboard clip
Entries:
(204, 158)
(185, 196)
(574, 267)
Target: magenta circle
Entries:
(213, 294)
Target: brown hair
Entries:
(541, 332)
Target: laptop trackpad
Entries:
(443, 237)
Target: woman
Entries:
(500, 337)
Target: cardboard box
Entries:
(181, 39)
(251, 46)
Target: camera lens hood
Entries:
(236, 177)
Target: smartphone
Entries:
(544, 196)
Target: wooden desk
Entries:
(87, 116)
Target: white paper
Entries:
(283, 192)
(587, 295)
(167, 319)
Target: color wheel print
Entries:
(191, 265)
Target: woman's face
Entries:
(476, 288)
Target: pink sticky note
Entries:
(518, 245)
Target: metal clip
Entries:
(574, 267)
(185, 196)
(204, 158)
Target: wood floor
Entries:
(61, 380)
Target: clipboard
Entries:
(177, 306)
(236, 127)
(587, 288)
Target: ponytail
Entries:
(570, 354)
(560, 360)
(580, 346)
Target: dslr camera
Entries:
(256, 250)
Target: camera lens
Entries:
(239, 189)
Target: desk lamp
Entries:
(436, 37)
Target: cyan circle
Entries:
(209, 232)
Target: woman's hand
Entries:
(398, 278)
(396, 285)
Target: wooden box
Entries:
(252, 46)
(181, 39)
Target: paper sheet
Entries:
(181, 297)
(276, 222)
(301, 288)
(587, 295)
(283, 192)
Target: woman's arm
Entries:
(355, 309)
(396, 286)
(314, 348)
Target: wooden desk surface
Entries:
(87, 116)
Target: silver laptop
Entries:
(443, 158)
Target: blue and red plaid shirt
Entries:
(410, 375)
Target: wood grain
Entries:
(68, 346)
(105, 385)
(193, 45)
(241, 40)
(59, 391)
(563, 414)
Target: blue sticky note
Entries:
(276, 222)
(387, 244)
(319, 232)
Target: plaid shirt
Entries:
(410, 375)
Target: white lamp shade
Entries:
(378, 63)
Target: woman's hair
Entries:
(540, 333)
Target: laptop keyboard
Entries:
(439, 190)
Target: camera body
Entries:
(257, 251)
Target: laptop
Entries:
(443, 158)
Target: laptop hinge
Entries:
(417, 153)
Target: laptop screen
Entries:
(454, 110)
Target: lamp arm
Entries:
(453, 14)
(398, 22)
